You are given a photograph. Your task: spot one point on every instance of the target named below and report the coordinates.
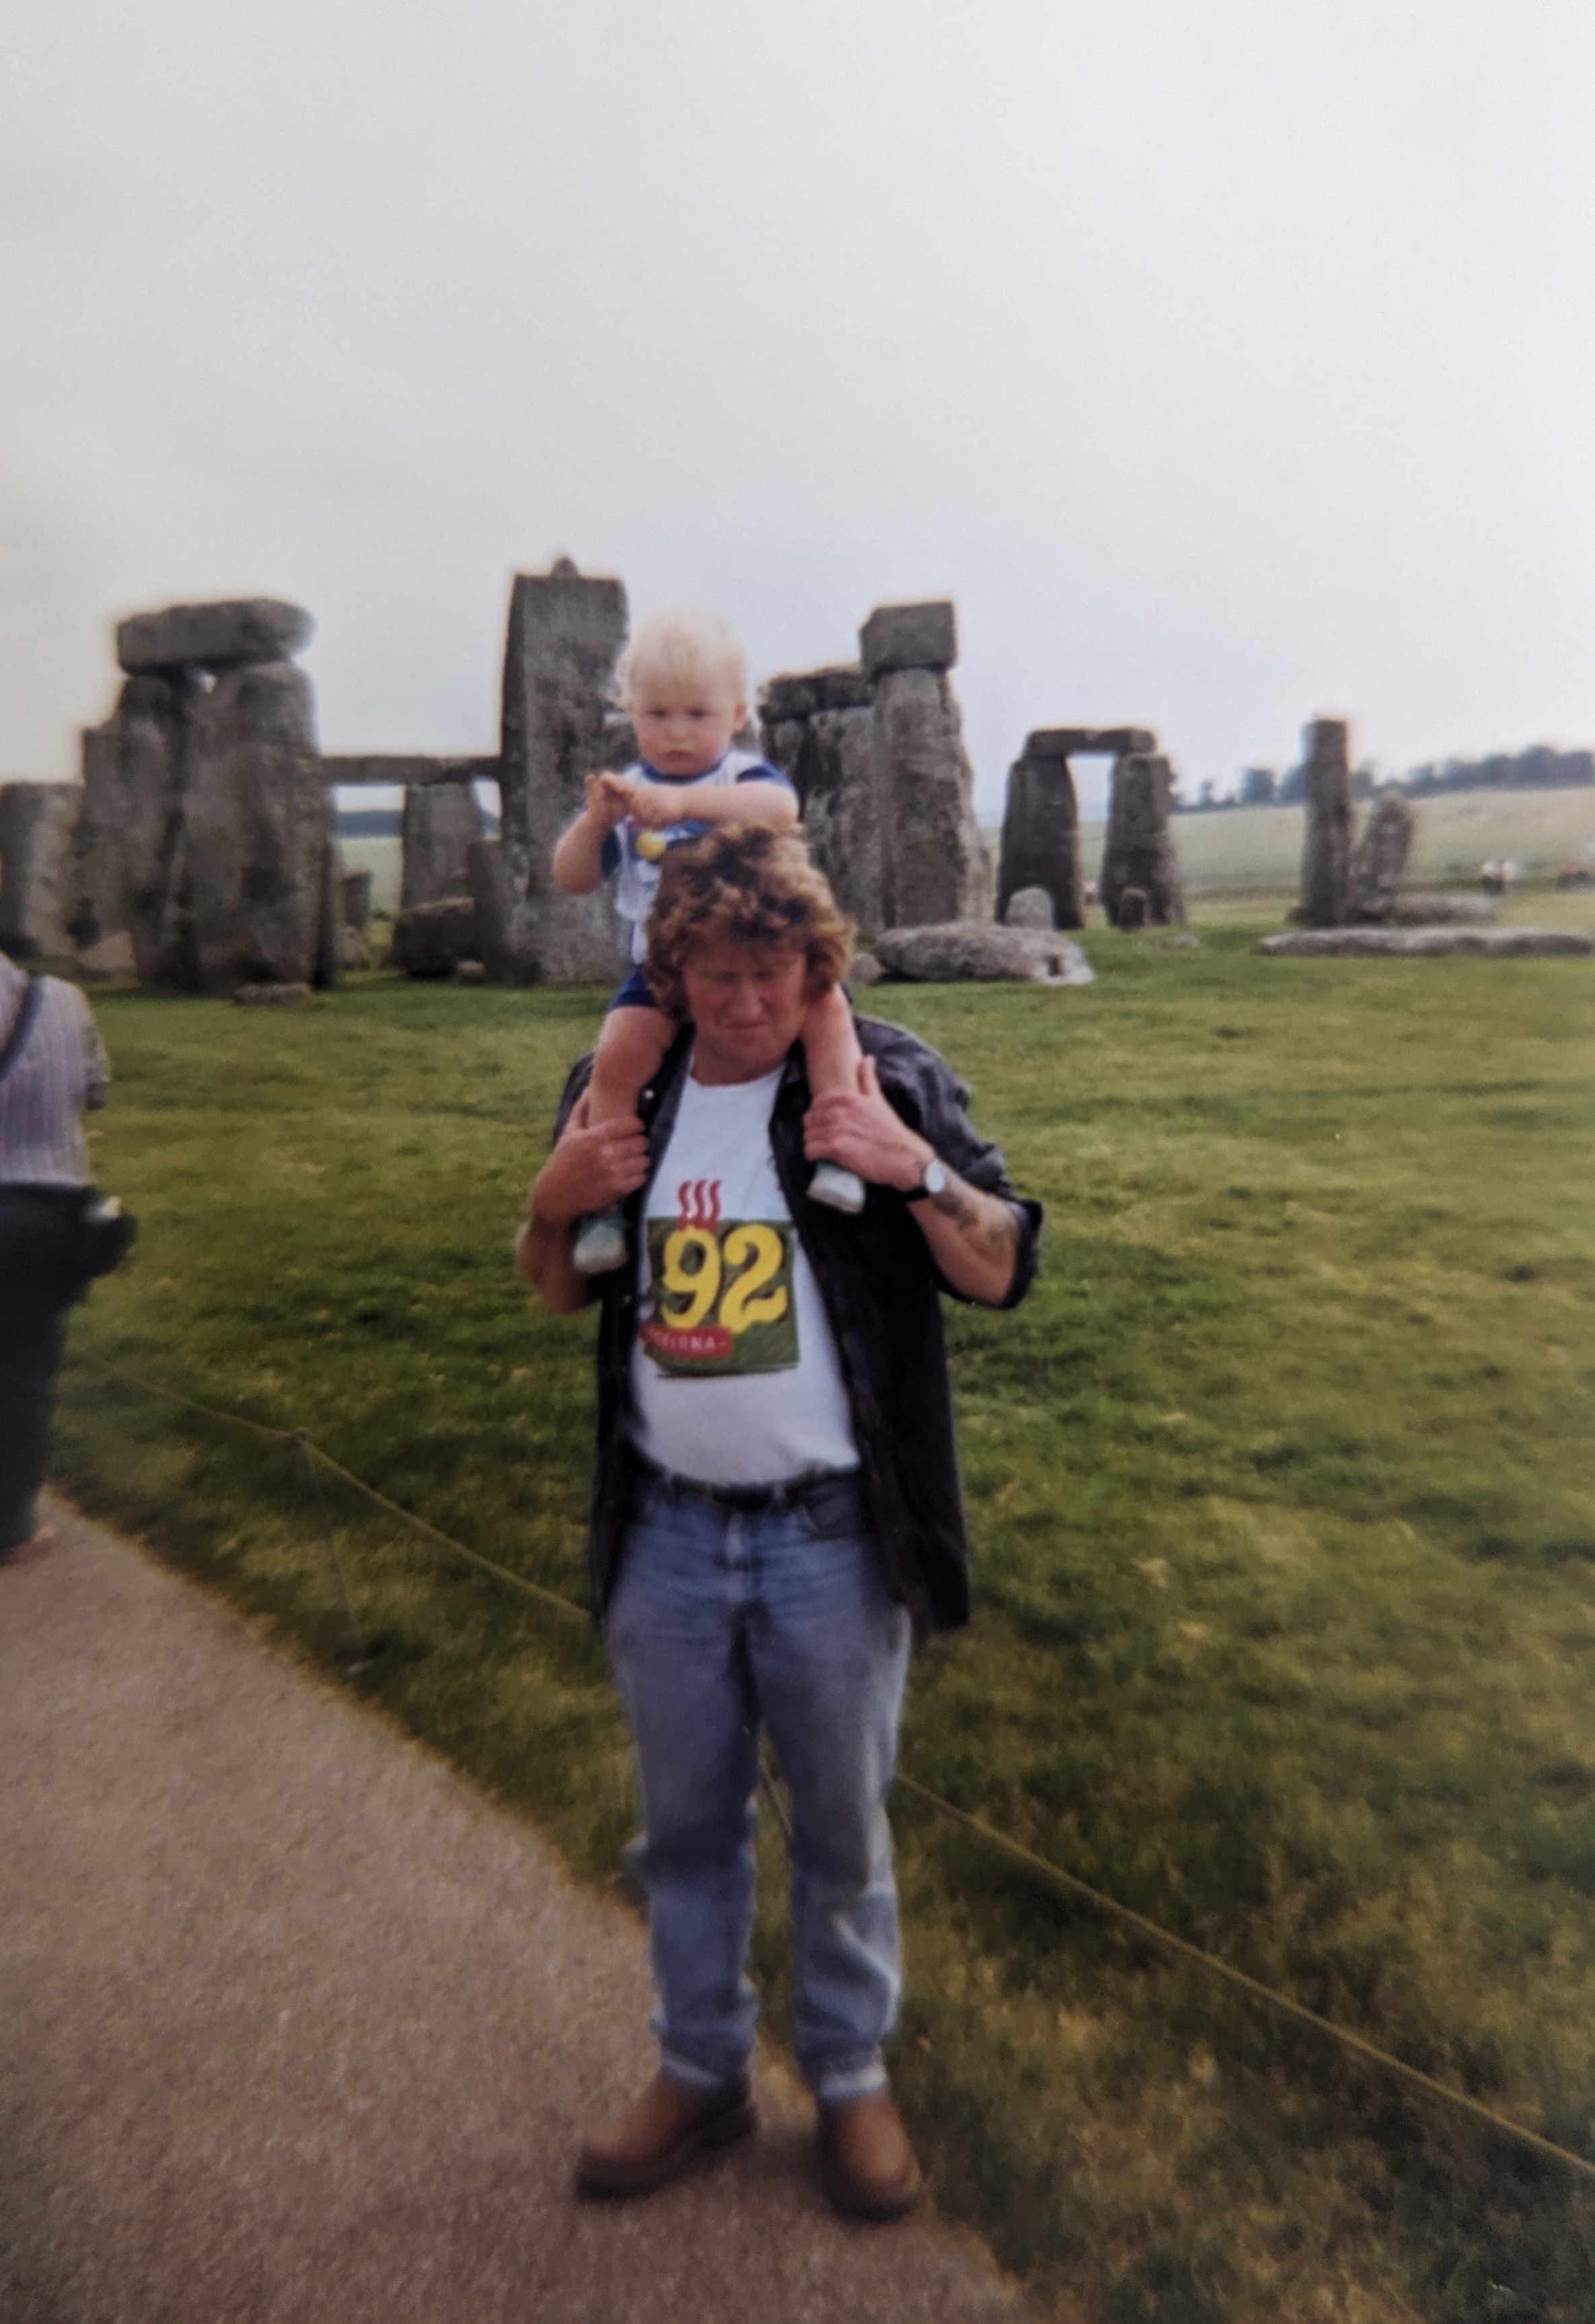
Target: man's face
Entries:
(746, 1002)
(684, 724)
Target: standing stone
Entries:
(442, 823)
(1378, 860)
(1139, 855)
(151, 730)
(819, 728)
(1326, 842)
(355, 901)
(254, 897)
(1029, 908)
(566, 632)
(36, 825)
(96, 900)
(934, 860)
(1041, 838)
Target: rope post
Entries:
(358, 1654)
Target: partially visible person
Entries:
(685, 681)
(53, 1070)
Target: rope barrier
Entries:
(1068, 1883)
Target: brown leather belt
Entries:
(741, 1501)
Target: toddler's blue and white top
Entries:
(639, 877)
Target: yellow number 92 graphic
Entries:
(758, 1251)
(698, 1287)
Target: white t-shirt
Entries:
(734, 1376)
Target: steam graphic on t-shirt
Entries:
(721, 1289)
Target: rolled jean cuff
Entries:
(843, 2083)
(688, 2077)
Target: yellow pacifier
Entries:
(651, 846)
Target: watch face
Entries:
(933, 1177)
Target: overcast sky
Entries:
(1226, 361)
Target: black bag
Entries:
(104, 1232)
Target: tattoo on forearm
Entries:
(988, 1225)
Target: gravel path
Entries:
(293, 2026)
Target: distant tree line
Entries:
(1539, 767)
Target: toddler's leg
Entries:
(631, 1049)
(831, 1048)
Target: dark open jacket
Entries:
(880, 1287)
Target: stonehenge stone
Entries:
(96, 900)
(442, 823)
(909, 637)
(212, 637)
(1089, 742)
(932, 858)
(252, 898)
(1326, 841)
(1041, 838)
(37, 821)
(564, 635)
(429, 939)
(798, 695)
(1139, 852)
(1426, 944)
(356, 900)
(817, 726)
(1378, 860)
(960, 952)
(1134, 909)
(151, 729)
(1029, 908)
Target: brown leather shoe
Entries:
(867, 2165)
(660, 2136)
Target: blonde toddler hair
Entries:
(686, 645)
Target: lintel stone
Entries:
(909, 636)
(222, 636)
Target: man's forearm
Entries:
(973, 1237)
(543, 1252)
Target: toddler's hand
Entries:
(655, 806)
(609, 798)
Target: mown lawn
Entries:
(1286, 1520)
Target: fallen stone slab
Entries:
(979, 951)
(429, 939)
(1425, 944)
(212, 637)
(909, 636)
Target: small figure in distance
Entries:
(684, 687)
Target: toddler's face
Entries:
(684, 724)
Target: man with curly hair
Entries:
(775, 1498)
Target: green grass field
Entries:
(1285, 1515)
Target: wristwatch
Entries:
(933, 1180)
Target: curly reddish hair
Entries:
(741, 885)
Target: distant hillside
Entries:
(1261, 846)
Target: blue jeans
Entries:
(722, 1622)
